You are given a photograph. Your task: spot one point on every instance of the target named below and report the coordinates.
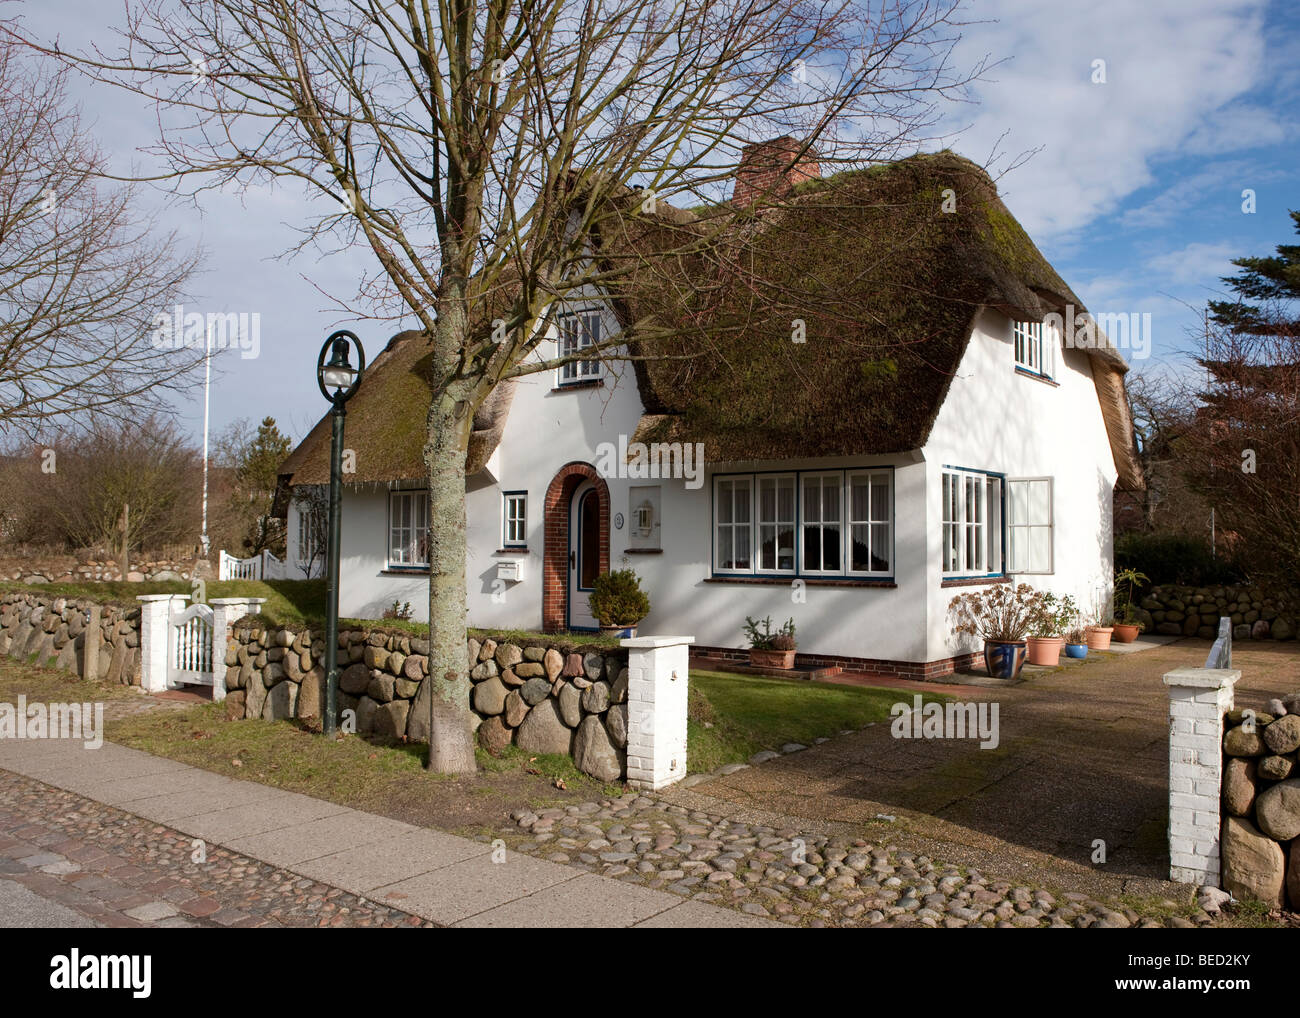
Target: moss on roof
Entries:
(885, 283)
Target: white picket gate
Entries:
(189, 647)
(182, 646)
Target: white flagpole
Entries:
(207, 393)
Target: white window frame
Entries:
(775, 524)
(872, 477)
(821, 523)
(884, 473)
(514, 519)
(733, 525)
(418, 501)
(1033, 343)
(576, 331)
(977, 536)
(1028, 527)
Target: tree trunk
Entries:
(451, 737)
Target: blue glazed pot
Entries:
(1076, 650)
(1004, 660)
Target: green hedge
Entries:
(1174, 558)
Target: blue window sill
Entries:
(1045, 379)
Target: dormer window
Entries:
(578, 331)
(1034, 344)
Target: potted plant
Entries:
(1001, 616)
(1127, 624)
(769, 649)
(618, 602)
(1076, 638)
(1046, 637)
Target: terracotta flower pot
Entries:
(1045, 650)
(771, 658)
(1126, 633)
(1099, 637)
(1004, 660)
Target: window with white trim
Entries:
(823, 527)
(514, 518)
(408, 529)
(577, 331)
(776, 523)
(871, 526)
(818, 523)
(733, 529)
(972, 523)
(1029, 525)
(1033, 343)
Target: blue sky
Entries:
(1133, 189)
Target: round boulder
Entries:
(1239, 742)
(594, 753)
(494, 736)
(595, 699)
(1276, 768)
(1254, 866)
(1239, 786)
(1283, 735)
(534, 691)
(490, 696)
(1277, 810)
(544, 731)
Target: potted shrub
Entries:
(1076, 638)
(1046, 637)
(618, 602)
(1127, 624)
(1001, 616)
(769, 649)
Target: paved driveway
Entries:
(1083, 758)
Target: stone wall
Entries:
(74, 569)
(54, 632)
(1195, 611)
(541, 696)
(1261, 799)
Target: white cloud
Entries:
(1176, 72)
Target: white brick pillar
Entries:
(155, 612)
(657, 669)
(226, 611)
(1198, 700)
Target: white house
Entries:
(887, 405)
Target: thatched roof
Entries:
(386, 422)
(886, 284)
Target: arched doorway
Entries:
(577, 545)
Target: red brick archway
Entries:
(555, 557)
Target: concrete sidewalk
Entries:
(440, 877)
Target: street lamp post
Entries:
(338, 375)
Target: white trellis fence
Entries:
(182, 646)
(259, 567)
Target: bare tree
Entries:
(481, 150)
(82, 274)
(111, 486)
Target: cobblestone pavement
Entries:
(120, 871)
(803, 880)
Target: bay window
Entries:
(823, 523)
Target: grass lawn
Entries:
(732, 717)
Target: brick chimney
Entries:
(769, 170)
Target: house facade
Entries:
(1004, 474)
